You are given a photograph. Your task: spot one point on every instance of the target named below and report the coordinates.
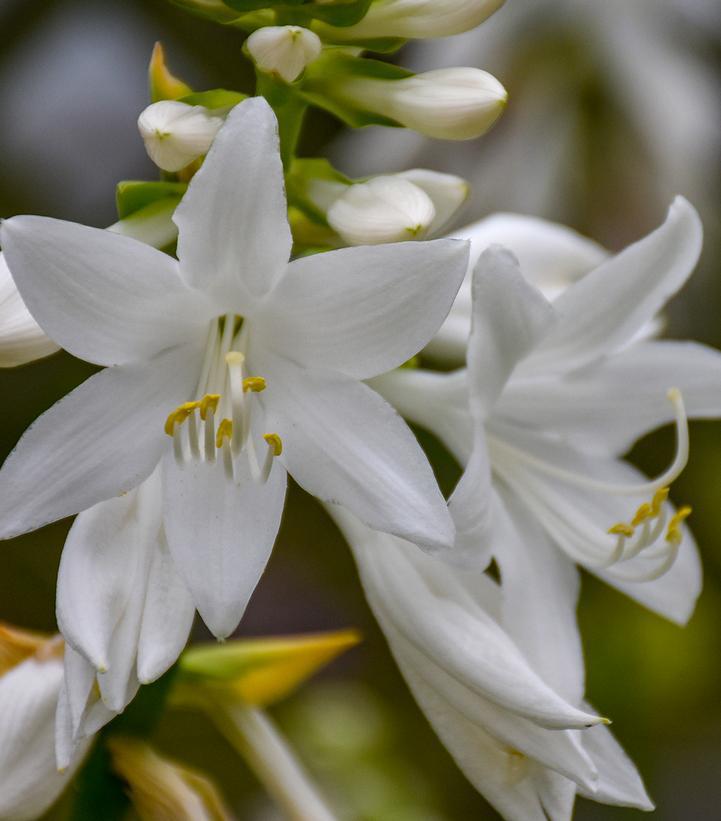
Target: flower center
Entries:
(649, 531)
(218, 424)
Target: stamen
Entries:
(178, 416)
(275, 442)
(621, 529)
(225, 431)
(209, 403)
(673, 534)
(234, 360)
(275, 448)
(256, 384)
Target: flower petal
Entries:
(167, 617)
(510, 317)
(551, 257)
(234, 240)
(343, 443)
(608, 307)
(21, 338)
(365, 310)
(614, 402)
(220, 534)
(619, 782)
(101, 440)
(105, 298)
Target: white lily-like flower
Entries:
(176, 133)
(31, 676)
(501, 694)
(412, 204)
(554, 394)
(190, 348)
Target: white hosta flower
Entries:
(21, 338)
(497, 675)
(448, 104)
(31, 676)
(554, 394)
(176, 133)
(416, 19)
(283, 50)
(227, 368)
(394, 207)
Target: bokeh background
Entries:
(612, 111)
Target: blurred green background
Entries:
(72, 82)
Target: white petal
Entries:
(608, 307)
(345, 444)
(551, 257)
(167, 617)
(30, 782)
(103, 569)
(234, 239)
(619, 782)
(557, 793)
(510, 317)
(101, 440)
(614, 402)
(105, 298)
(421, 601)
(21, 338)
(447, 192)
(540, 589)
(363, 311)
(220, 534)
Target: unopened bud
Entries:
(176, 133)
(416, 19)
(449, 103)
(447, 192)
(283, 50)
(383, 209)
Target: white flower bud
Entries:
(417, 19)
(383, 209)
(447, 192)
(176, 133)
(448, 103)
(283, 50)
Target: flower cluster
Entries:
(257, 315)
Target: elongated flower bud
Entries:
(416, 19)
(176, 133)
(449, 103)
(384, 209)
(283, 50)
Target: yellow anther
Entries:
(234, 358)
(621, 529)
(645, 511)
(659, 497)
(209, 402)
(275, 442)
(179, 415)
(673, 533)
(225, 431)
(256, 384)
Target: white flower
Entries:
(194, 344)
(415, 18)
(176, 133)
(394, 207)
(497, 675)
(283, 50)
(554, 394)
(449, 104)
(31, 675)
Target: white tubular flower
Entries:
(415, 19)
(384, 209)
(192, 345)
(554, 394)
(283, 50)
(31, 675)
(21, 338)
(448, 104)
(500, 696)
(395, 207)
(176, 133)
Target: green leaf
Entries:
(216, 99)
(132, 195)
